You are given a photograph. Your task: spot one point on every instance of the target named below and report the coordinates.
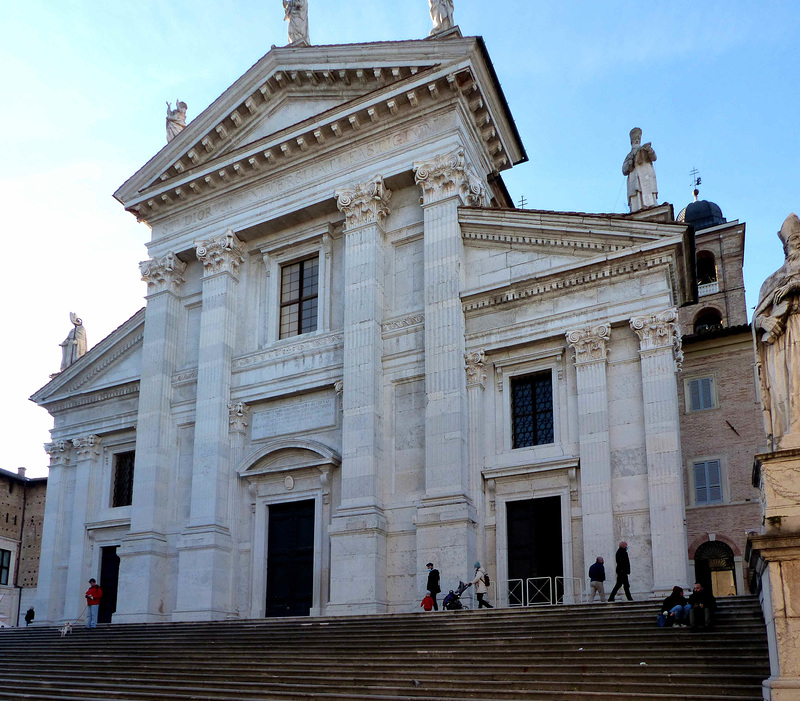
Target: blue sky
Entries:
(713, 85)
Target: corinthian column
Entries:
(51, 587)
(358, 556)
(204, 555)
(143, 553)
(659, 352)
(474, 364)
(87, 462)
(589, 345)
(446, 522)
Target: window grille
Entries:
(532, 410)
(5, 566)
(299, 297)
(122, 494)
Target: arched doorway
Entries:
(714, 568)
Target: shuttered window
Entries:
(707, 482)
(701, 394)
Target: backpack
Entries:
(486, 580)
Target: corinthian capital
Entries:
(87, 447)
(59, 452)
(449, 176)
(474, 364)
(656, 331)
(364, 203)
(221, 253)
(164, 273)
(589, 343)
(238, 412)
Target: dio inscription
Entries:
(293, 418)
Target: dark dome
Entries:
(702, 215)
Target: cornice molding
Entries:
(404, 323)
(190, 178)
(322, 343)
(548, 242)
(93, 398)
(364, 203)
(221, 254)
(165, 273)
(97, 368)
(590, 343)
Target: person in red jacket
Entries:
(428, 603)
(93, 596)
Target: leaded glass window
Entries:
(299, 294)
(532, 410)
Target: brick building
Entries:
(21, 515)
(721, 424)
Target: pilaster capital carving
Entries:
(59, 452)
(238, 414)
(165, 273)
(338, 387)
(364, 203)
(475, 366)
(448, 176)
(87, 447)
(659, 331)
(589, 343)
(223, 253)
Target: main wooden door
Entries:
(290, 559)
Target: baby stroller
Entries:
(452, 602)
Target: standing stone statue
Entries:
(176, 119)
(638, 166)
(777, 325)
(442, 15)
(74, 345)
(297, 16)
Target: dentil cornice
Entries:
(164, 273)
(659, 331)
(221, 253)
(589, 343)
(364, 203)
(448, 176)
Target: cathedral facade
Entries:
(357, 357)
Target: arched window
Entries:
(707, 321)
(714, 568)
(706, 268)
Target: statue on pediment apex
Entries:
(176, 119)
(73, 346)
(442, 15)
(776, 323)
(297, 16)
(638, 166)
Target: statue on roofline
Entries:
(73, 346)
(442, 15)
(176, 119)
(297, 16)
(776, 324)
(638, 166)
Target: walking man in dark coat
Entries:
(623, 570)
(433, 584)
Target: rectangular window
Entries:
(707, 482)
(299, 290)
(5, 566)
(532, 410)
(701, 394)
(122, 492)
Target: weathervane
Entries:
(696, 180)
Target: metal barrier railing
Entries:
(540, 591)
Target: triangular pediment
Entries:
(307, 98)
(113, 363)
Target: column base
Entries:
(204, 562)
(358, 561)
(142, 578)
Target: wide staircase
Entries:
(602, 651)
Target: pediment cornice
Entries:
(208, 155)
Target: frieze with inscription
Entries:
(294, 417)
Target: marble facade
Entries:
(379, 164)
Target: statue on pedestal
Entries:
(176, 119)
(638, 166)
(442, 15)
(777, 324)
(297, 16)
(74, 345)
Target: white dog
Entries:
(66, 629)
